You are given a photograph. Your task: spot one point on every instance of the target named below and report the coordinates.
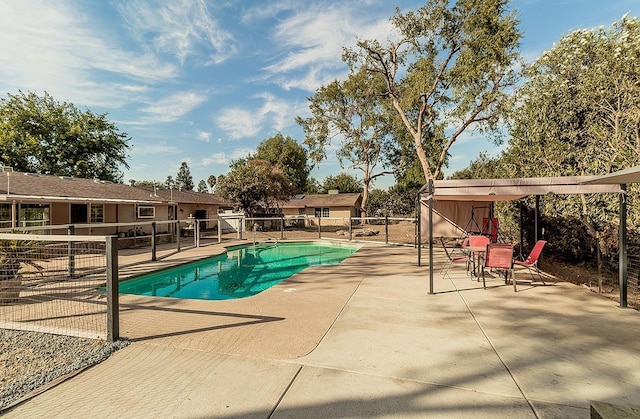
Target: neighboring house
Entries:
(30, 199)
(337, 207)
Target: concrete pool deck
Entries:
(363, 339)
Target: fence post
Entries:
(240, 227)
(153, 242)
(71, 252)
(113, 310)
(350, 229)
(219, 230)
(179, 233)
(320, 227)
(196, 233)
(281, 228)
(386, 228)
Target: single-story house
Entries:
(31, 199)
(336, 207)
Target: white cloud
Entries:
(224, 158)
(181, 28)
(239, 123)
(278, 111)
(203, 136)
(173, 107)
(267, 10)
(161, 148)
(55, 46)
(315, 37)
(275, 113)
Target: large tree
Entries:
(289, 156)
(352, 112)
(579, 114)
(211, 181)
(343, 183)
(41, 135)
(448, 72)
(579, 111)
(255, 186)
(184, 180)
(202, 186)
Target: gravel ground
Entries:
(29, 360)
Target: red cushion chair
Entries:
(531, 263)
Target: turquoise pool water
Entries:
(241, 272)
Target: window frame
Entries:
(145, 211)
(96, 213)
(321, 212)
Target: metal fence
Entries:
(371, 229)
(610, 280)
(194, 232)
(59, 284)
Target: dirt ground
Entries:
(588, 278)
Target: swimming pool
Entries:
(241, 272)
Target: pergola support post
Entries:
(431, 236)
(622, 264)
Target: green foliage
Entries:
(40, 135)
(17, 252)
(202, 186)
(353, 111)
(579, 114)
(448, 73)
(184, 180)
(169, 183)
(289, 156)
(255, 186)
(394, 202)
(313, 186)
(211, 181)
(580, 108)
(343, 182)
(483, 167)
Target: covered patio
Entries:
(444, 203)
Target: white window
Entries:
(321, 212)
(146, 212)
(97, 213)
(34, 215)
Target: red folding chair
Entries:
(453, 258)
(477, 242)
(499, 256)
(531, 263)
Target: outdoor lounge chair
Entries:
(453, 257)
(499, 256)
(531, 263)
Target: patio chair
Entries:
(531, 263)
(477, 242)
(454, 258)
(499, 256)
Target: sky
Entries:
(204, 82)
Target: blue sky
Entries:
(205, 81)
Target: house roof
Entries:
(32, 186)
(324, 200)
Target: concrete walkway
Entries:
(363, 339)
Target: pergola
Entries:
(492, 190)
